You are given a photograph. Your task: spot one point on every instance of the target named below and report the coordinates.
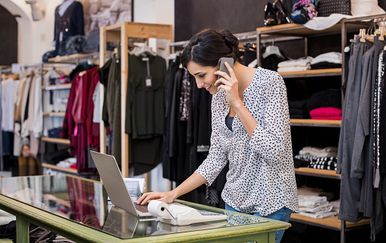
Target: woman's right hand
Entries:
(167, 197)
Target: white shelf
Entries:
(57, 87)
(56, 140)
(54, 114)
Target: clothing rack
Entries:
(364, 21)
(243, 37)
(120, 34)
(8, 70)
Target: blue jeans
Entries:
(282, 214)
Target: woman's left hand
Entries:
(230, 84)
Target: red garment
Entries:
(81, 195)
(78, 123)
(326, 113)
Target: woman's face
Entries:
(205, 77)
(26, 151)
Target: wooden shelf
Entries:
(315, 123)
(332, 222)
(299, 30)
(56, 140)
(74, 58)
(312, 73)
(57, 87)
(54, 114)
(58, 168)
(143, 30)
(331, 174)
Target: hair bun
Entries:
(230, 39)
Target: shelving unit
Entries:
(315, 123)
(285, 32)
(120, 34)
(68, 62)
(59, 141)
(56, 140)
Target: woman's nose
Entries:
(200, 84)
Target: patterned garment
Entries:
(378, 92)
(326, 163)
(261, 175)
(185, 98)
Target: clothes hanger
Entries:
(382, 29)
(362, 35)
(272, 50)
(143, 50)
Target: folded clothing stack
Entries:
(312, 204)
(326, 113)
(327, 60)
(67, 163)
(317, 158)
(315, 207)
(298, 109)
(323, 61)
(300, 64)
(319, 152)
(57, 156)
(325, 105)
(55, 132)
(325, 163)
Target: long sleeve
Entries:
(35, 119)
(78, 19)
(362, 128)
(271, 137)
(217, 157)
(267, 154)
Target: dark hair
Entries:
(208, 46)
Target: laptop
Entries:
(115, 186)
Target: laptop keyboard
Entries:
(141, 208)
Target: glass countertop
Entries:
(84, 201)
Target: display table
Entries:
(78, 209)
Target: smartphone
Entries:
(222, 62)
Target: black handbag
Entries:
(328, 7)
(276, 13)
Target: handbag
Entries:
(276, 13)
(328, 7)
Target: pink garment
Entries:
(327, 118)
(326, 113)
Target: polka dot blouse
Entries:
(261, 175)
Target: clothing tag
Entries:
(148, 75)
(148, 81)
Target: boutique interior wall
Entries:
(35, 37)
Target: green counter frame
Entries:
(25, 214)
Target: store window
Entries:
(8, 37)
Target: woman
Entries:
(250, 129)
(28, 165)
